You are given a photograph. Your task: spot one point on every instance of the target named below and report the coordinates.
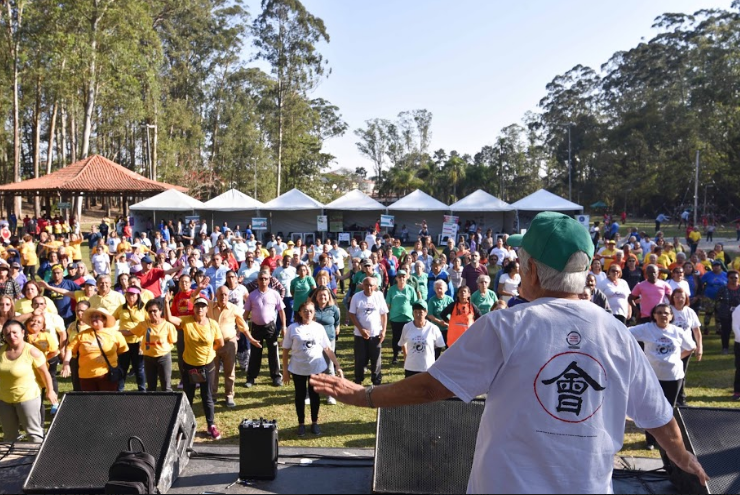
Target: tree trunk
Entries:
(63, 140)
(73, 136)
(52, 131)
(37, 144)
(280, 136)
(14, 24)
(154, 147)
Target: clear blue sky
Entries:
(478, 66)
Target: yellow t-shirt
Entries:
(28, 254)
(608, 261)
(129, 318)
(110, 302)
(54, 245)
(73, 329)
(76, 249)
(91, 361)
(695, 236)
(17, 376)
(123, 247)
(199, 341)
(46, 342)
(80, 296)
(23, 306)
(156, 340)
(735, 265)
(146, 295)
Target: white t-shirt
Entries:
(240, 251)
(420, 344)
(683, 284)
(617, 295)
(686, 319)
(338, 256)
(249, 273)
(113, 243)
(285, 276)
(663, 348)
(510, 285)
(354, 251)
(368, 311)
(306, 344)
(736, 323)
(237, 296)
(101, 264)
(565, 373)
(501, 253)
(600, 277)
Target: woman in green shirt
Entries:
(399, 299)
(484, 298)
(301, 286)
(422, 280)
(437, 303)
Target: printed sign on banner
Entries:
(343, 237)
(387, 221)
(336, 222)
(322, 223)
(259, 223)
(584, 220)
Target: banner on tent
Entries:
(387, 221)
(322, 223)
(450, 226)
(194, 218)
(259, 223)
(343, 237)
(336, 222)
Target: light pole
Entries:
(570, 163)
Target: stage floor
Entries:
(215, 469)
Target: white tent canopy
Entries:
(293, 200)
(410, 210)
(170, 200)
(418, 201)
(486, 210)
(233, 200)
(355, 200)
(480, 200)
(545, 201)
(293, 213)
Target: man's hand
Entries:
(382, 336)
(343, 390)
(365, 333)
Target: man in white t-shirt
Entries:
(561, 375)
(369, 314)
(500, 251)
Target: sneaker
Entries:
(331, 401)
(395, 361)
(213, 431)
(725, 351)
(277, 382)
(651, 446)
(249, 384)
(179, 385)
(301, 430)
(315, 429)
(307, 401)
(230, 402)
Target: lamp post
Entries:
(570, 163)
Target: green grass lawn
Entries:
(709, 384)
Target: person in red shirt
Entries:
(272, 261)
(150, 277)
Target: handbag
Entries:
(115, 375)
(196, 375)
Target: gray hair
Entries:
(571, 280)
(483, 278)
(440, 283)
(681, 255)
(421, 264)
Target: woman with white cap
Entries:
(97, 349)
(201, 338)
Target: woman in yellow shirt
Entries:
(29, 259)
(46, 342)
(73, 329)
(129, 315)
(93, 369)
(7, 309)
(202, 337)
(20, 395)
(30, 290)
(157, 338)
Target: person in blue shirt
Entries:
(217, 272)
(710, 284)
(62, 301)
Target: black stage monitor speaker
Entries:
(712, 434)
(258, 449)
(426, 448)
(92, 428)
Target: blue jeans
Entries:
(133, 359)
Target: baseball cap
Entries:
(401, 272)
(72, 266)
(15, 264)
(291, 243)
(146, 259)
(611, 241)
(90, 281)
(367, 262)
(200, 300)
(420, 304)
(552, 238)
(716, 262)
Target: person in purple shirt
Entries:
(264, 305)
(472, 271)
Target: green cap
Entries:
(420, 304)
(552, 238)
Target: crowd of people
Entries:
(221, 297)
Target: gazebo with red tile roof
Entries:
(92, 176)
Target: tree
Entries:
(373, 142)
(286, 37)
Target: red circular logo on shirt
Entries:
(570, 387)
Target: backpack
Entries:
(132, 472)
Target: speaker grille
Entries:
(426, 448)
(713, 434)
(91, 429)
